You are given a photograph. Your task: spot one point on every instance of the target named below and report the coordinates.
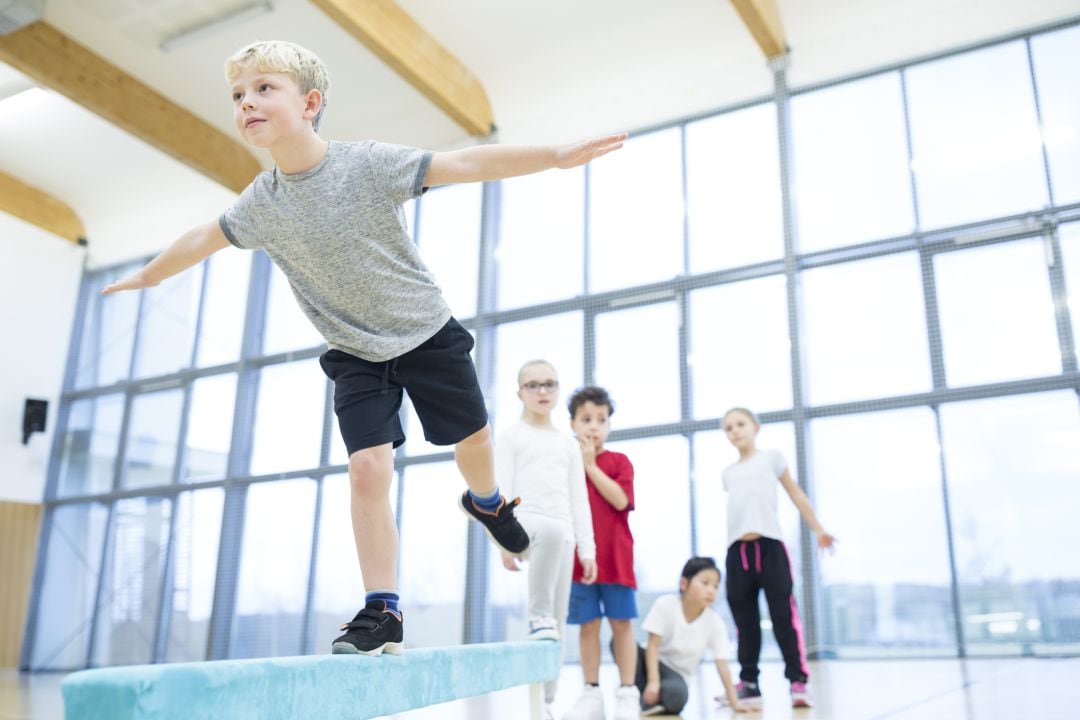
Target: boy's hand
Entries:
(651, 694)
(588, 451)
(138, 281)
(588, 572)
(510, 562)
(825, 541)
(579, 153)
(740, 708)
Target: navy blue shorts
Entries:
(590, 602)
(439, 377)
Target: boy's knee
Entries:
(673, 696)
(620, 627)
(370, 469)
(590, 629)
(480, 437)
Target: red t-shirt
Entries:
(614, 543)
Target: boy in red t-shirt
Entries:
(610, 482)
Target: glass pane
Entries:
(636, 213)
(90, 443)
(448, 235)
(69, 589)
(288, 417)
(210, 427)
(713, 453)
(433, 581)
(881, 592)
(167, 331)
(1012, 466)
(131, 600)
(753, 371)
(733, 189)
(661, 490)
(108, 332)
(850, 157)
(975, 137)
(222, 322)
(1056, 55)
(287, 327)
(874, 347)
(274, 564)
(542, 238)
(153, 431)
(637, 360)
(339, 454)
(1070, 249)
(555, 338)
(980, 321)
(339, 587)
(194, 567)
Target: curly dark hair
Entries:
(590, 393)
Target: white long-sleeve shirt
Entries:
(543, 467)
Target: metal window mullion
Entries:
(103, 567)
(164, 619)
(475, 611)
(1060, 293)
(239, 462)
(958, 615)
(808, 571)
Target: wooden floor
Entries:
(985, 689)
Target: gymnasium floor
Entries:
(985, 689)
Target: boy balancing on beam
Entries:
(330, 216)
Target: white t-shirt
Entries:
(543, 467)
(751, 486)
(682, 644)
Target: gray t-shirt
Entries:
(338, 233)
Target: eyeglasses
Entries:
(533, 386)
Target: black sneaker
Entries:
(500, 525)
(749, 694)
(373, 631)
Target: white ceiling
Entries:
(553, 71)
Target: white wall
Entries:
(39, 285)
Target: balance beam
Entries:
(310, 687)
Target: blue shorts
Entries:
(590, 602)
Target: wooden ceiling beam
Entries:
(762, 19)
(392, 34)
(39, 208)
(54, 60)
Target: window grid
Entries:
(1041, 225)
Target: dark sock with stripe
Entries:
(488, 503)
(390, 598)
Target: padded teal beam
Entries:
(311, 687)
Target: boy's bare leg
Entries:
(625, 648)
(370, 472)
(589, 642)
(476, 461)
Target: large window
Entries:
(908, 341)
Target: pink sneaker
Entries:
(800, 695)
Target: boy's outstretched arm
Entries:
(189, 249)
(495, 162)
(729, 687)
(824, 539)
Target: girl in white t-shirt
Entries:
(681, 627)
(542, 465)
(757, 559)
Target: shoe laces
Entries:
(506, 510)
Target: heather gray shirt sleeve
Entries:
(339, 234)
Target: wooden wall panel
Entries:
(19, 525)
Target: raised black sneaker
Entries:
(749, 694)
(500, 525)
(375, 630)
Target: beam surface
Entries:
(762, 19)
(39, 208)
(54, 60)
(391, 33)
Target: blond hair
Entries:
(303, 66)
(537, 361)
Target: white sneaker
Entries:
(543, 629)
(589, 706)
(627, 703)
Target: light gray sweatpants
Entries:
(551, 565)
